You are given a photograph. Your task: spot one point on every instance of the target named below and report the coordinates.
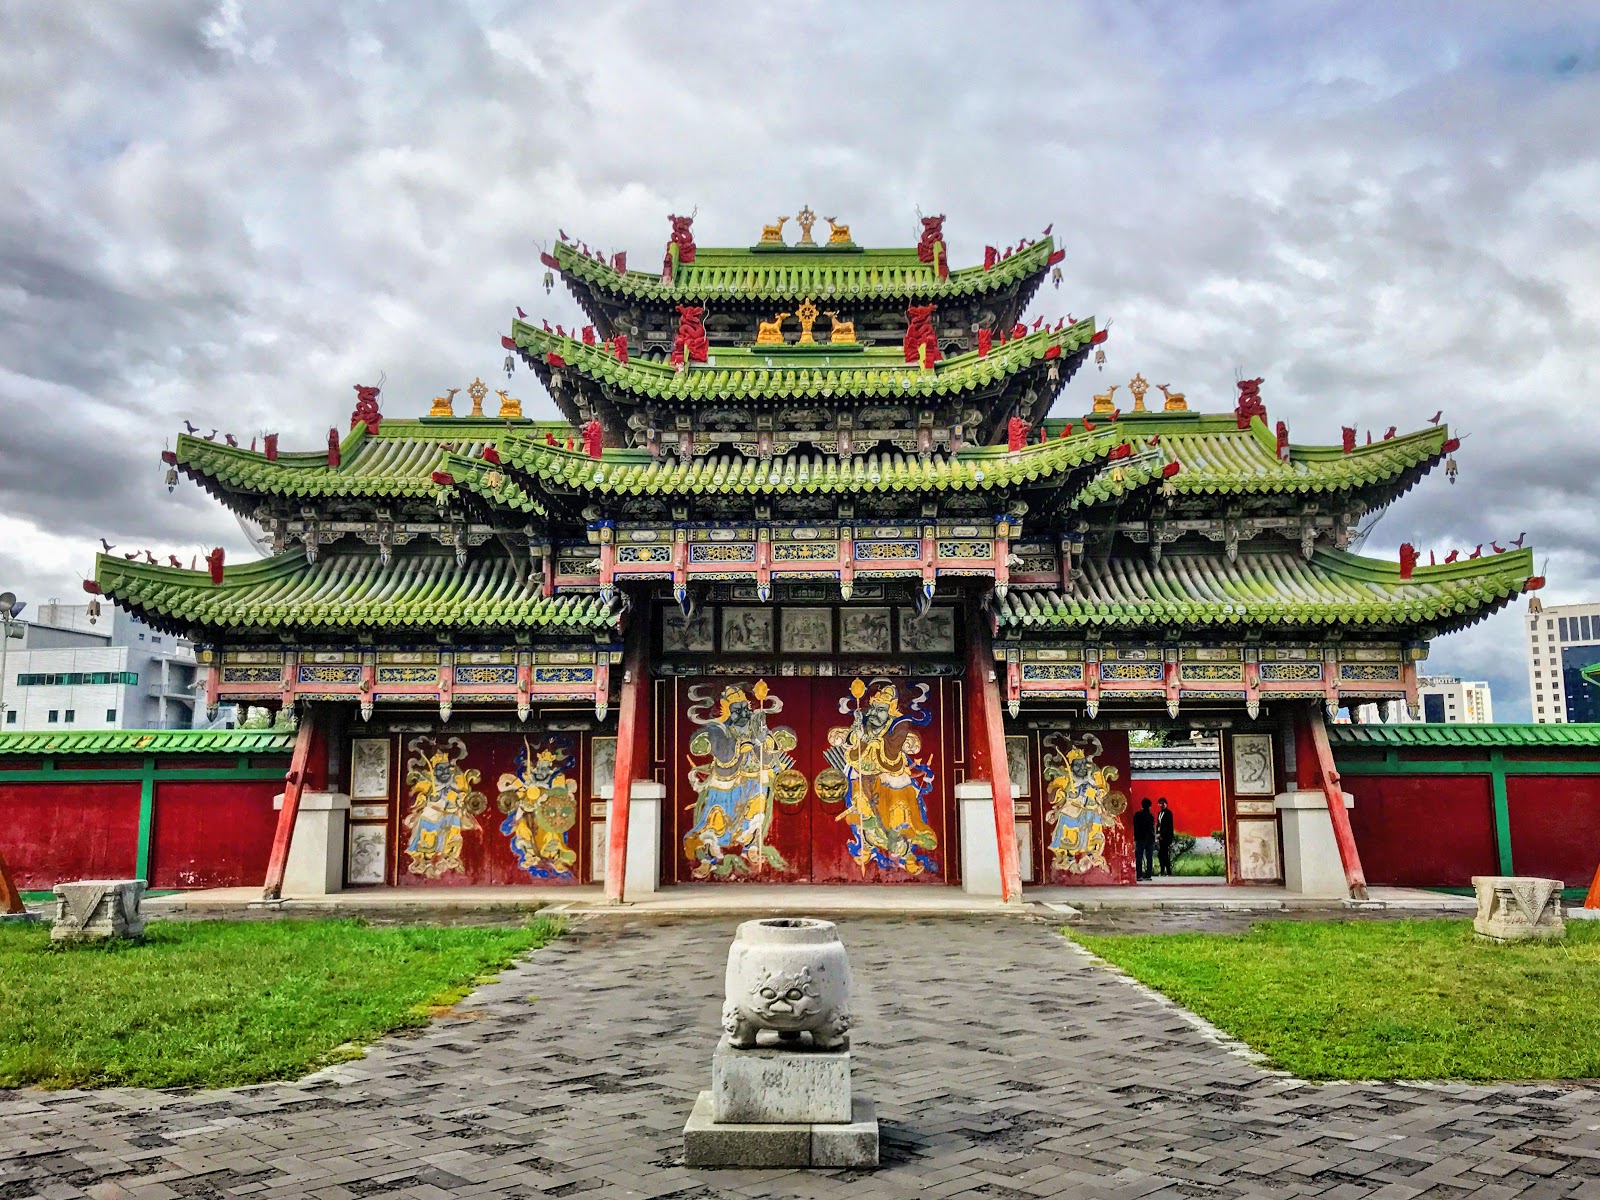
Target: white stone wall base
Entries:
(1311, 862)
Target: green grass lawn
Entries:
(1211, 865)
(1384, 999)
(222, 1003)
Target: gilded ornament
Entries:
(1102, 402)
(1138, 387)
(770, 333)
(510, 407)
(443, 406)
(843, 332)
(839, 235)
(477, 391)
(805, 218)
(1175, 401)
(807, 315)
(771, 234)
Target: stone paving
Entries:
(1004, 1064)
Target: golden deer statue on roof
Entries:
(770, 333)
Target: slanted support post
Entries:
(11, 904)
(986, 746)
(632, 726)
(1355, 878)
(308, 738)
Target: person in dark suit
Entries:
(1144, 841)
(1164, 835)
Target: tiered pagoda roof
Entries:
(738, 451)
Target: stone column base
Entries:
(1311, 862)
(980, 846)
(1514, 908)
(96, 910)
(316, 848)
(643, 877)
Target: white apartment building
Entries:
(1562, 640)
(71, 670)
(1441, 700)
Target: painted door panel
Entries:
(1086, 833)
(490, 809)
(808, 779)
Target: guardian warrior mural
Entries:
(749, 771)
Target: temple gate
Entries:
(808, 580)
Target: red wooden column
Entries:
(633, 728)
(1310, 721)
(307, 766)
(986, 746)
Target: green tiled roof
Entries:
(398, 461)
(427, 590)
(634, 472)
(743, 274)
(776, 372)
(148, 741)
(1219, 457)
(1272, 588)
(1386, 737)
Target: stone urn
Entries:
(790, 975)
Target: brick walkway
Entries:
(1003, 1064)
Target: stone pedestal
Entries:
(1514, 908)
(768, 1085)
(710, 1143)
(644, 839)
(93, 910)
(1311, 863)
(980, 847)
(316, 851)
(780, 1076)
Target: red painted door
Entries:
(1087, 830)
(817, 779)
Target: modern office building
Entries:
(1562, 640)
(79, 667)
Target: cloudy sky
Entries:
(231, 212)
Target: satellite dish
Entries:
(8, 603)
(16, 609)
